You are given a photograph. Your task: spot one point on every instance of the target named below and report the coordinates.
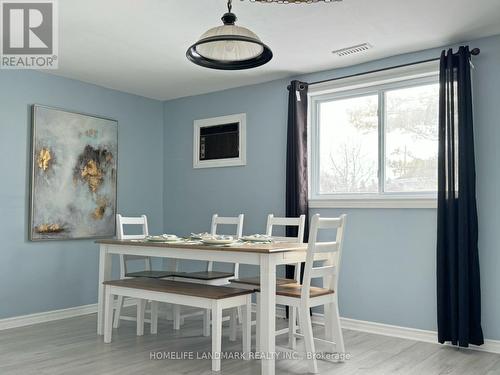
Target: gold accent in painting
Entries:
(49, 228)
(93, 175)
(44, 158)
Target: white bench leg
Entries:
(233, 323)
(108, 314)
(306, 328)
(240, 315)
(118, 312)
(216, 335)
(177, 317)
(141, 309)
(154, 317)
(246, 316)
(292, 327)
(206, 322)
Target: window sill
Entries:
(384, 202)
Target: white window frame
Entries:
(373, 83)
(241, 119)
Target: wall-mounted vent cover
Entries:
(352, 50)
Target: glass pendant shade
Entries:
(230, 50)
(229, 47)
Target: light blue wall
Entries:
(388, 271)
(43, 276)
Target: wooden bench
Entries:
(214, 298)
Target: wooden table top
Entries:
(262, 248)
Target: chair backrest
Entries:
(327, 253)
(299, 222)
(238, 221)
(121, 221)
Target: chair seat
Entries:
(294, 290)
(205, 275)
(256, 281)
(150, 274)
(179, 287)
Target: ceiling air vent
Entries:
(352, 50)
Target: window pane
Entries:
(348, 138)
(411, 140)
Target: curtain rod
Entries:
(474, 52)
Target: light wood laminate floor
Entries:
(71, 346)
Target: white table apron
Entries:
(266, 261)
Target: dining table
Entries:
(267, 256)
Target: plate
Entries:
(163, 238)
(217, 241)
(257, 238)
(199, 236)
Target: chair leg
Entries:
(141, 309)
(154, 317)
(216, 336)
(206, 322)
(108, 315)
(177, 317)
(306, 329)
(337, 329)
(246, 313)
(233, 323)
(329, 321)
(292, 327)
(118, 312)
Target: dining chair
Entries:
(211, 277)
(142, 222)
(323, 261)
(253, 282)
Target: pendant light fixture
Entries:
(294, 1)
(229, 47)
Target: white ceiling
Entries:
(139, 46)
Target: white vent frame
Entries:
(352, 50)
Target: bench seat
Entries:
(209, 297)
(179, 287)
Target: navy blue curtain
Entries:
(458, 281)
(296, 160)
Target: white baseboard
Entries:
(492, 346)
(49, 316)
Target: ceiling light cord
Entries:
(229, 5)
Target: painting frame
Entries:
(32, 178)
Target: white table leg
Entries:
(104, 274)
(267, 313)
(108, 315)
(246, 317)
(216, 335)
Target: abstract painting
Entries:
(73, 184)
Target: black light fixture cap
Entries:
(229, 18)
